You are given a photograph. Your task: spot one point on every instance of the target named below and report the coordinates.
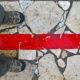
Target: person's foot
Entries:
(2, 14)
(11, 65)
(16, 66)
(4, 67)
(13, 17)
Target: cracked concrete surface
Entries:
(56, 17)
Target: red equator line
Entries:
(39, 41)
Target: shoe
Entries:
(13, 17)
(4, 67)
(2, 14)
(16, 65)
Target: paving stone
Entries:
(40, 54)
(27, 74)
(44, 50)
(57, 52)
(9, 5)
(60, 31)
(73, 20)
(61, 63)
(48, 69)
(64, 54)
(24, 30)
(68, 32)
(5, 26)
(12, 31)
(72, 71)
(25, 4)
(74, 51)
(42, 16)
(5, 32)
(79, 51)
(36, 71)
(64, 4)
(27, 54)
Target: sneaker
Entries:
(13, 17)
(16, 65)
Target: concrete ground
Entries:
(56, 17)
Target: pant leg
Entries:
(2, 14)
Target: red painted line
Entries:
(40, 41)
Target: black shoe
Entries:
(13, 17)
(4, 67)
(16, 66)
(2, 14)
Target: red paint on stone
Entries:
(39, 41)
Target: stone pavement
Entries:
(58, 17)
